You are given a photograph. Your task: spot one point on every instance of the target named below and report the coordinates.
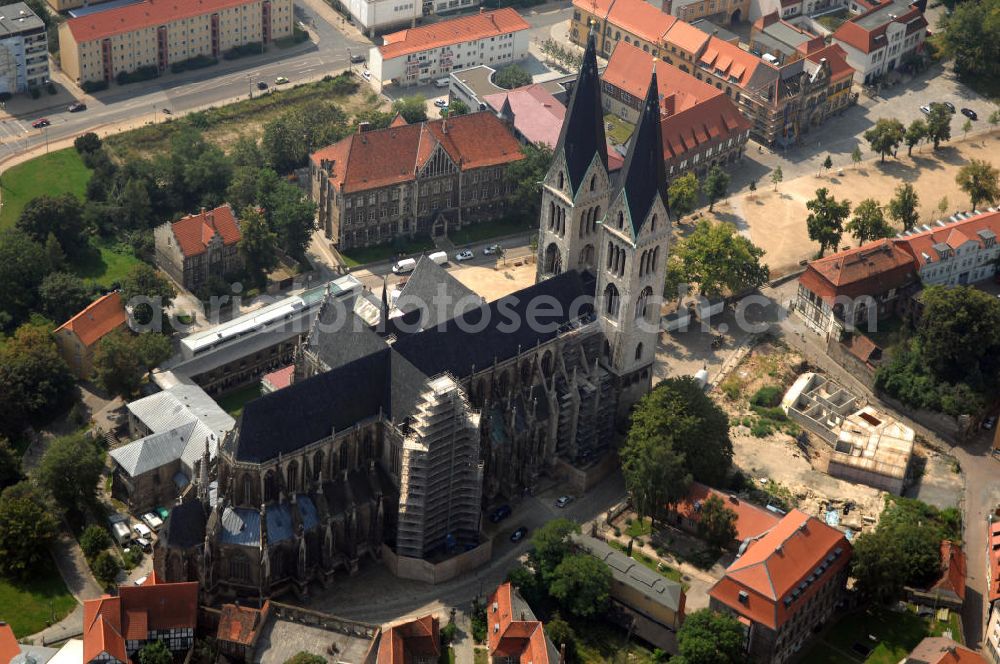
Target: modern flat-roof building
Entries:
(159, 33)
(431, 52)
(784, 584)
(474, 84)
(24, 53)
(881, 39)
(77, 338)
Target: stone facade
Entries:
(199, 247)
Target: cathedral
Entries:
(401, 434)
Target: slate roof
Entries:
(185, 527)
(430, 283)
(98, 319)
(339, 337)
(157, 449)
(582, 136)
(644, 177)
(627, 571)
(240, 525)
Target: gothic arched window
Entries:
(638, 351)
(562, 179)
(621, 220)
(611, 300)
(593, 182)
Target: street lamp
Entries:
(45, 130)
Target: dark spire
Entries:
(384, 318)
(644, 176)
(582, 134)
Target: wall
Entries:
(850, 363)
(428, 572)
(582, 480)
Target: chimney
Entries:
(523, 617)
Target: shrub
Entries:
(618, 532)
(761, 428)
(94, 540)
(132, 557)
(50, 88)
(236, 52)
(731, 388)
(448, 633)
(105, 567)
(144, 73)
(197, 62)
(94, 86)
(768, 396)
(34, 92)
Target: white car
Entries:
(281, 80)
(367, 75)
(464, 255)
(563, 501)
(441, 103)
(153, 520)
(491, 250)
(926, 110)
(142, 530)
(141, 580)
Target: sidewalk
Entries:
(75, 572)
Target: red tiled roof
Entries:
(686, 37)
(751, 520)
(953, 234)
(640, 19)
(876, 267)
(836, 57)
(147, 14)
(853, 33)
(9, 648)
(102, 629)
(98, 319)
(731, 60)
(163, 605)
(777, 564)
(953, 566)
(509, 636)
(595, 7)
(861, 347)
(195, 231)
(241, 624)
(393, 155)
(409, 641)
(630, 69)
(940, 650)
(715, 119)
(538, 116)
(993, 559)
(398, 121)
(452, 31)
(281, 378)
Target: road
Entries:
(141, 103)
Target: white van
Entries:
(120, 532)
(439, 257)
(404, 266)
(442, 82)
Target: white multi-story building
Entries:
(956, 251)
(880, 40)
(24, 53)
(374, 15)
(430, 52)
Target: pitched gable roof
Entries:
(242, 624)
(751, 520)
(407, 642)
(630, 69)
(976, 228)
(195, 231)
(536, 114)
(686, 37)
(147, 14)
(870, 269)
(731, 62)
(98, 319)
(953, 567)
(941, 650)
(452, 31)
(836, 57)
(582, 137)
(157, 607)
(102, 625)
(513, 630)
(641, 19)
(866, 32)
(9, 648)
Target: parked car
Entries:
(42, 122)
(491, 250)
(950, 106)
(926, 110)
(143, 543)
(990, 422)
(563, 501)
(261, 85)
(142, 530)
(518, 534)
(441, 103)
(153, 520)
(77, 107)
(465, 255)
(367, 75)
(141, 580)
(357, 59)
(500, 513)
(167, 111)
(969, 113)
(281, 80)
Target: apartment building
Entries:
(159, 33)
(701, 126)
(425, 178)
(431, 52)
(515, 635)
(991, 640)
(780, 42)
(881, 39)
(721, 11)
(199, 247)
(24, 53)
(612, 21)
(77, 338)
(784, 584)
(957, 251)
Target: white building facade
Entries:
(957, 251)
(882, 39)
(24, 54)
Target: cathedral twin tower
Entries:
(617, 230)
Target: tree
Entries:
(885, 137)
(94, 540)
(35, 383)
(144, 291)
(776, 177)
(258, 245)
(716, 185)
(753, 188)
(135, 205)
(916, 132)
(526, 176)
(23, 265)
(828, 162)
(826, 219)
(54, 254)
(122, 359)
(994, 118)
(718, 259)
(716, 523)
(709, 637)
(246, 153)
(549, 545)
(903, 206)
(942, 205)
(62, 296)
(677, 434)
(27, 527)
(856, 155)
(10, 465)
(105, 568)
(959, 332)
(413, 109)
(979, 179)
(868, 222)
(939, 124)
(156, 653)
(284, 144)
(70, 470)
(58, 215)
(457, 107)
(511, 76)
(303, 657)
(966, 128)
(581, 584)
(290, 215)
(561, 634)
(683, 194)
(87, 143)
(971, 35)
(528, 584)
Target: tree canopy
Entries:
(413, 109)
(719, 259)
(147, 293)
(303, 657)
(971, 35)
(939, 124)
(122, 359)
(10, 464)
(903, 208)
(959, 332)
(511, 76)
(62, 296)
(709, 637)
(716, 522)
(885, 137)
(550, 544)
(826, 219)
(582, 583)
(35, 383)
(979, 179)
(60, 216)
(23, 266)
(94, 539)
(258, 245)
(27, 527)
(526, 176)
(70, 470)
(916, 132)
(156, 653)
(868, 222)
(683, 194)
(716, 185)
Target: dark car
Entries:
(500, 513)
(77, 107)
(969, 113)
(357, 59)
(950, 106)
(261, 85)
(518, 534)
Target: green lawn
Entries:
(233, 402)
(896, 632)
(639, 527)
(54, 173)
(383, 252)
(29, 606)
(480, 656)
(488, 230)
(101, 264)
(602, 642)
(618, 130)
